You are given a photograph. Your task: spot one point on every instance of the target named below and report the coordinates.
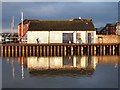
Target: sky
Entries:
(101, 12)
(60, 0)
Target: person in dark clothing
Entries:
(37, 40)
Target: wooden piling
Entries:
(95, 50)
(82, 50)
(6, 51)
(54, 50)
(64, 51)
(101, 49)
(47, 50)
(71, 51)
(50, 50)
(26, 50)
(30, 51)
(78, 50)
(119, 50)
(59, 49)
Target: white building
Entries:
(72, 31)
(118, 28)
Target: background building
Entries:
(109, 29)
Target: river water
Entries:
(60, 72)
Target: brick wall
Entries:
(108, 39)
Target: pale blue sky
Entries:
(59, 0)
(100, 12)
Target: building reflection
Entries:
(73, 64)
(60, 62)
(62, 65)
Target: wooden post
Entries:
(26, 50)
(115, 49)
(44, 50)
(8, 51)
(16, 51)
(40, 50)
(95, 49)
(61, 50)
(110, 49)
(65, 50)
(58, 51)
(22, 50)
(19, 50)
(2, 51)
(119, 49)
(30, 50)
(78, 50)
(101, 49)
(71, 50)
(12, 51)
(5, 50)
(107, 50)
(82, 50)
(51, 50)
(47, 50)
(91, 49)
(54, 50)
(34, 50)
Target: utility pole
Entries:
(21, 24)
(12, 26)
(12, 29)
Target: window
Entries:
(67, 37)
(78, 35)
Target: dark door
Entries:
(89, 38)
(67, 37)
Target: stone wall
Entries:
(107, 39)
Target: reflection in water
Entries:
(22, 70)
(62, 65)
(60, 72)
(69, 65)
(42, 63)
(13, 68)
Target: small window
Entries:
(78, 35)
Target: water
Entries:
(60, 72)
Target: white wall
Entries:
(33, 35)
(95, 37)
(0, 38)
(57, 36)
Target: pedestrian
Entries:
(37, 40)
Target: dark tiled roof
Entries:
(38, 25)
